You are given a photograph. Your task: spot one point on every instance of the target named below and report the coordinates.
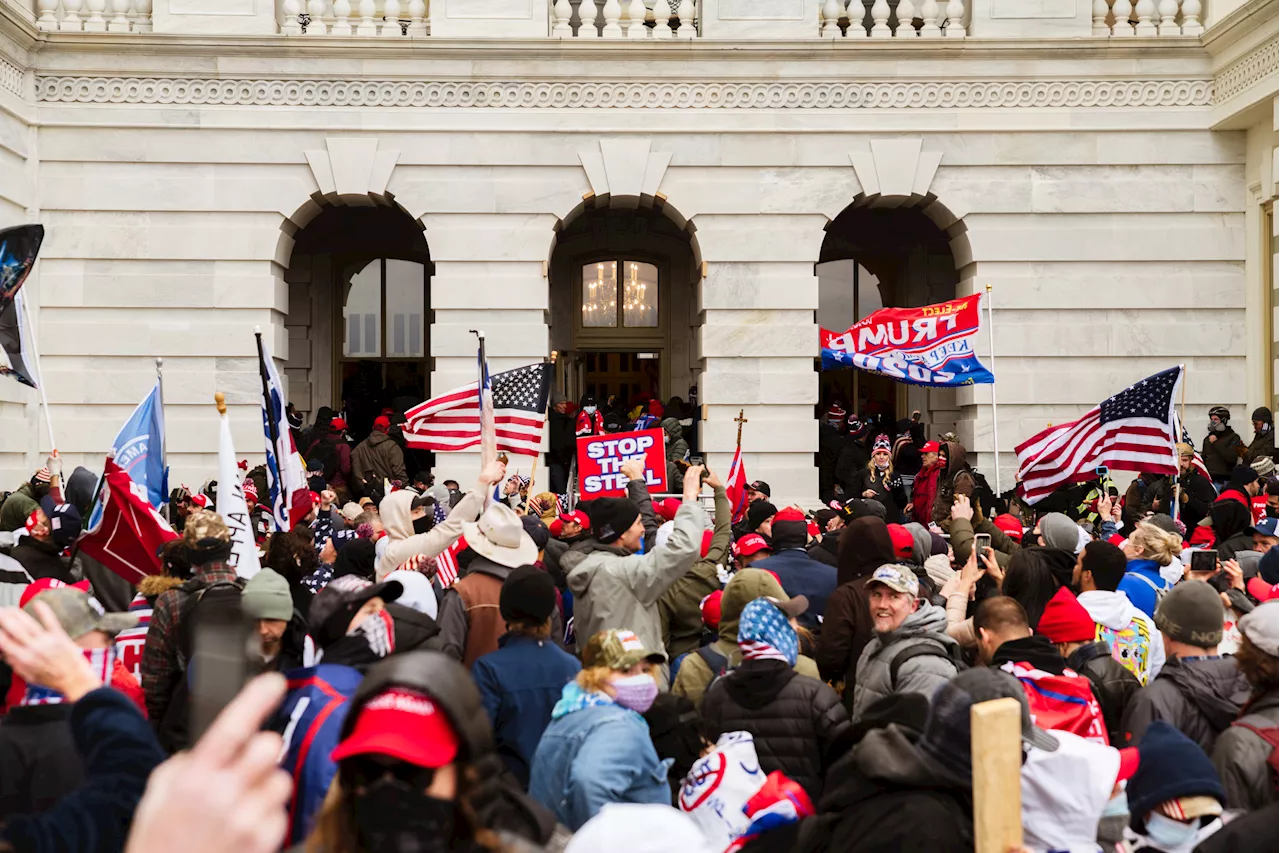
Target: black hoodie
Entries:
(1198, 696)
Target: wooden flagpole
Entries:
(996, 750)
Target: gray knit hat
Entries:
(1191, 613)
(1060, 532)
(266, 596)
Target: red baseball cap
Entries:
(666, 508)
(200, 499)
(382, 423)
(706, 542)
(1009, 525)
(577, 517)
(750, 544)
(337, 424)
(1128, 763)
(710, 608)
(403, 724)
(788, 514)
(36, 587)
(903, 542)
(1262, 590)
(930, 447)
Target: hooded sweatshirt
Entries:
(1199, 696)
(921, 674)
(846, 627)
(403, 543)
(1130, 633)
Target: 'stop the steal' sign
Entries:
(929, 345)
(601, 457)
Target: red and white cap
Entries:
(750, 544)
(929, 447)
(403, 724)
(36, 587)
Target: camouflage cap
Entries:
(203, 526)
(619, 650)
(78, 613)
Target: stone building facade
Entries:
(207, 166)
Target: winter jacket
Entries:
(1198, 696)
(403, 543)
(519, 685)
(1263, 446)
(470, 624)
(823, 549)
(923, 491)
(414, 629)
(800, 574)
(680, 607)
(39, 764)
(864, 546)
(921, 674)
(1066, 699)
(1199, 496)
(1114, 685)
(42, 559)
(962, 532)
(17, 507)
(795, 720)
(593, 753)
(1147, 493)
(376, 458)
(885, 796)
(853, 459)
(746, 586)
(1128, 632)
(1255, 832)
(677, 449)
(889, 491)
(118, 752)
(1241, 755)
(1143, 585)
(614, 589)
(1220, 454)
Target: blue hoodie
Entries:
(595, 752)
(1134, 584)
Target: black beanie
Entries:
(1243, 475)
(1262, 413)
(537, 531)
(528, 595)
(758, 513)
(1170, 765)
(610, 518)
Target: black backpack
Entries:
(716, 662)
(323, 451)
(951, 653)
(218, 602)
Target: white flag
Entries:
(232, 507)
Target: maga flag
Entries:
(129, 532)
(929, 345)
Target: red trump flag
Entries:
(128, 536)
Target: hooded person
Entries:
(596, 749)
(416, 770)
(614, 585)
(1244, 752)
(680, 607)
(1263, 445)
(41, 550)
(864, 546)
(911, 651)
(1230, 522)
(402, 542)
(23, 500)
(1128, 632)
(471, 622)
(1175, 796)
(713, 661)
(377, 458)
(794, 720)
(359, 558)
(799, 573)
(1196, 690)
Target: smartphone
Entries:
(695, 460)
(219, 665)
(982, 543)
(1205, 562)
(1101, 471)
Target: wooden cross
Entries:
(740, 420)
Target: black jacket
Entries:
(793, 718)
(1198, 697)
(1199, 493)
(1255, 832)
(885, 797)
(1114, 685)
(824, 549)
(893, 494)
(1035, 650)
(41, 559)
(1220, 454)
(39, 764)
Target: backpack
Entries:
(1271, 735)
(323, 451)
(951, 653)
(1160, 591)
(716, 662)
(217, 602)
(1065, 702)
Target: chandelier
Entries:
(600, 296)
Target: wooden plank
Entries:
(996, 743)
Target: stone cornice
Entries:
(1255, 20)
(509, 94)
(1261, 63)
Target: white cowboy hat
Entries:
(499, 536)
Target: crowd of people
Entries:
(419, 667)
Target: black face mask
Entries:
(422, 525)
(394, 816)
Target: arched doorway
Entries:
(624, 309)
(881, 252)
(359, 313)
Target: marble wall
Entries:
(1107, 216)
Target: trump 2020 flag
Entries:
(18, 249)
(284, 472)
(139, 451)
(129, 531)
(232, 506)
(930, 345)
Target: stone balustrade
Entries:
(878, 20)
(389, 18)
(94, 16)
(624, 19)
(1123, 18)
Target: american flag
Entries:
(1131, 431)
(452, 421)
(1197, 460)
(447, 563)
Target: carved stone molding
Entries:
(352, 168)
(10, 77)
(797, 95)
(625, 168)
(1259, 64)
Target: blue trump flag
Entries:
(139, 450)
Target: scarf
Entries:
(102, 661)
(371, 641)
(765, 634)
(574, 698)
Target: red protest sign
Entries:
(601, 457)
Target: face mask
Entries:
(1216, 426)
(636, 692)
(590, 410)
(1171, 836)
(881, 464)
(392, 815)
(1117, 806)
(422, 525)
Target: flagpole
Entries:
(35, 357)
(163, 466)
(995, 419)
(1177, 459)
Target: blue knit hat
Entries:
(1170, 765)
